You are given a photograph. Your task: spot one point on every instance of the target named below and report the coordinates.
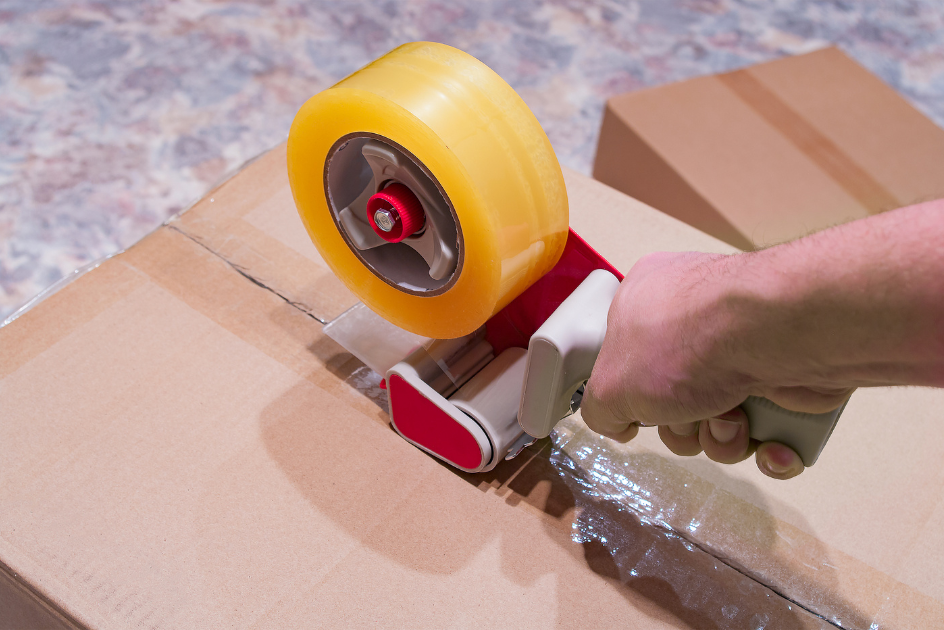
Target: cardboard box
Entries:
(182, 447)
(772, 152)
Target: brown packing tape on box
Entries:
(826, 154)
(774, 151)
(183, 447)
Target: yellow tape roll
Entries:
(484, 150)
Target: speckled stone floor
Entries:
(115, 115)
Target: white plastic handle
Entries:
(562, 352)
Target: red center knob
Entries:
(395, 213)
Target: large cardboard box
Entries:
(772, 152)
(182, 447)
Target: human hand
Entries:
(691, 336)
(677, 354)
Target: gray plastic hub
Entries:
(362, 166)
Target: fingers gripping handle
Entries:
(805, 433)
(562, 352)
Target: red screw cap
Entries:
(395, 213)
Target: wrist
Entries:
(791, 324)
(754, 312)
(722, 312)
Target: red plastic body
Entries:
(513, 325)
(420, 420)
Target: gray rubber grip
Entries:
(806, 433)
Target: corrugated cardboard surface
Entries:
(772, 152)
(182, 447)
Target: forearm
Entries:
(858, 305)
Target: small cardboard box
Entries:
(772, 152)
(181, 446)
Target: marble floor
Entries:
(115, 115)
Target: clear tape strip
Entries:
(651, 523)
(459, 358)
(445, 368)
(54, 287)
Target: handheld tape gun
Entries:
(432, 192)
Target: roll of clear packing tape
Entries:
(449, 128)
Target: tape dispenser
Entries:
(432, 192)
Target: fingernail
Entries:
(723, 431)
(685, 429)
(781, 460)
